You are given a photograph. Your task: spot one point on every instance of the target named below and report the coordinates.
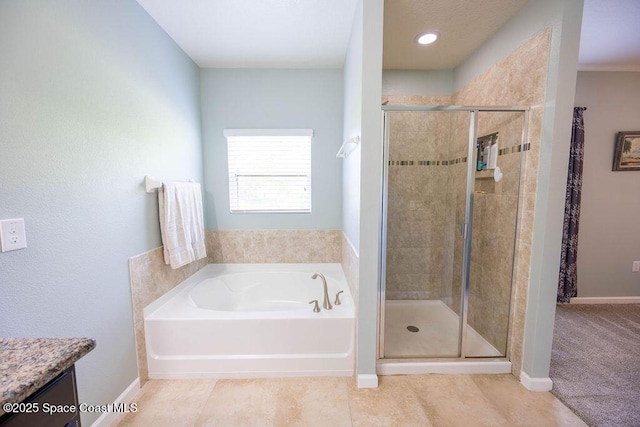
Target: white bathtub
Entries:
(251, 320)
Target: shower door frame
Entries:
(465, 230)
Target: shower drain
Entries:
(413, 328)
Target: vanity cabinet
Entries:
(59, 393)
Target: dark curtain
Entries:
(568, 280)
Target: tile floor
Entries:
(412, 400)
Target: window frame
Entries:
(268, 133)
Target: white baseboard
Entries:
(367, 381)
(605, 300)
(107, 419)
(535, 384)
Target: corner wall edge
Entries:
(535, 384)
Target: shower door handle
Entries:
(463, 230)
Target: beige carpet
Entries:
(595, 364)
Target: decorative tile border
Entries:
(502, 152)
(515, 149)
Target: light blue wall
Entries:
(352, 128)
(280, 99)
(362, 170)
(370, 185)
(93, 96)
(417, 82)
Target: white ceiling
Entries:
(258, 33)
(610, 38)
(315, 33)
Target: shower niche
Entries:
(449, 230)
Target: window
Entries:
(269, 170)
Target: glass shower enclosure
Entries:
(449, 230)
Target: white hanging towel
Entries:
(181, 223)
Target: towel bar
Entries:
(343, 152)
(151, 183)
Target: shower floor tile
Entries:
(437, 335)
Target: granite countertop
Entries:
(26, 364)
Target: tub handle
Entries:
(316, 309)
(337, 301)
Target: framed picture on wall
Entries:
(626, 156)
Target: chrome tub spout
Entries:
(326, 304)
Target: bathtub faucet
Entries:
(326, 304)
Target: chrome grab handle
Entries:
(337, 301)
(463, 230)
(316, 309)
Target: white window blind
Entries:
(269, 170)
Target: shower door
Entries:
(434, 274)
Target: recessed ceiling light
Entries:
(428, 37)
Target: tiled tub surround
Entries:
(252, 320)
(274, 246)
(350, 265)
(26, 364)
(151, 278)
(518, 80)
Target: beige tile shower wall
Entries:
(414, 240)
(415, 100)
(417, 208)
(274, 246)
(494, 233)
(457, 203)
(151, 278)
(519, 79)
(426, 202)
(524, 238)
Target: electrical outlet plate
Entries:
(12, 234)
(636, 266)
